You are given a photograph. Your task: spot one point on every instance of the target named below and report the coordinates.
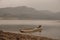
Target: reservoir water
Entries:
(51, 28)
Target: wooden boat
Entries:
(37, 29)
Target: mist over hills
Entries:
(24, 12)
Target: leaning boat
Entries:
(37, 29)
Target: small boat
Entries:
(37, 29)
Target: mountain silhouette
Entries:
(24, 12)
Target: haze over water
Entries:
(51, 28)
(30, 22)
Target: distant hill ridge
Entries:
(24, 12)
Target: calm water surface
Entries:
(29, 22)
(51, 28)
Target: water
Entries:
(51, 28)
(30, 22)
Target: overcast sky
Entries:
(52, 5)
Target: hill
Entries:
(24, 12)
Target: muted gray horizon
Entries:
(51, 5)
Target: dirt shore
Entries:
(14, 36)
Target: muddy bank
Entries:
(16, 36)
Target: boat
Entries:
(30, 30)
